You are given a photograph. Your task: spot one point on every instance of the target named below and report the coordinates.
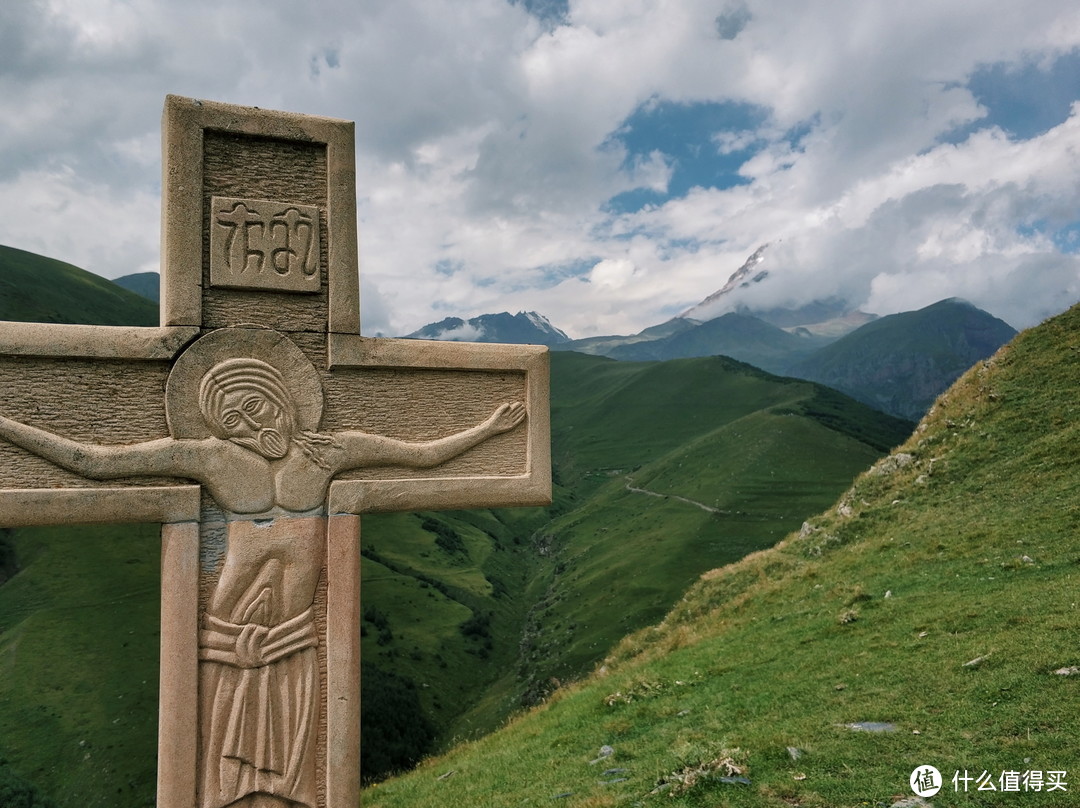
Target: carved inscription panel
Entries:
(261, 244)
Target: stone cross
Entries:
(256, 424)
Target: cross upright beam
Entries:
(256, 425)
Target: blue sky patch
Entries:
(635, 200)
(549, 11)
(554, 274)
(1066, 237)
(704, 143)
(447, 267)
(1024, 100)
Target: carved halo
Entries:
(302, 381)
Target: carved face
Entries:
(249, 418)
(245, 401)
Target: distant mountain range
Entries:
(147, 284)
(901, 363)
(525, 327)
(898, 364)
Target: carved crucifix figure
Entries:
(290, 424)
(257, 453)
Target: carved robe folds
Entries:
(259, 683)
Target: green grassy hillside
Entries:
(534, 598)
(43, 290)
(79, 663)
(663, 470)
(676, 467)
(935, 601)
(444, 599)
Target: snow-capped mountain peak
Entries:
(525, 327)
(745, 275)
(543, 324)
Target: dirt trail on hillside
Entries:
(695, 503)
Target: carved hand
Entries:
(506, 417)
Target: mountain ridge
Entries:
(900, 363)
(147, 284)
(525, 327)
(897, 364)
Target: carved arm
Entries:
(165, 456)
(362, 449)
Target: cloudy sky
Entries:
(605, 162)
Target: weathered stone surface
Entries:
(256, 424)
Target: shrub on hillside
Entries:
(446, 538)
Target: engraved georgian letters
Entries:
(259, 244)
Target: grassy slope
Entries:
(78, 663)
(685, 419)
(869, 614)
(687, 437)
(490, 578)
(712, 431)
(609, 415)
(43, 290)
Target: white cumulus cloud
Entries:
(491, 143)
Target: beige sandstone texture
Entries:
(256, 425)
